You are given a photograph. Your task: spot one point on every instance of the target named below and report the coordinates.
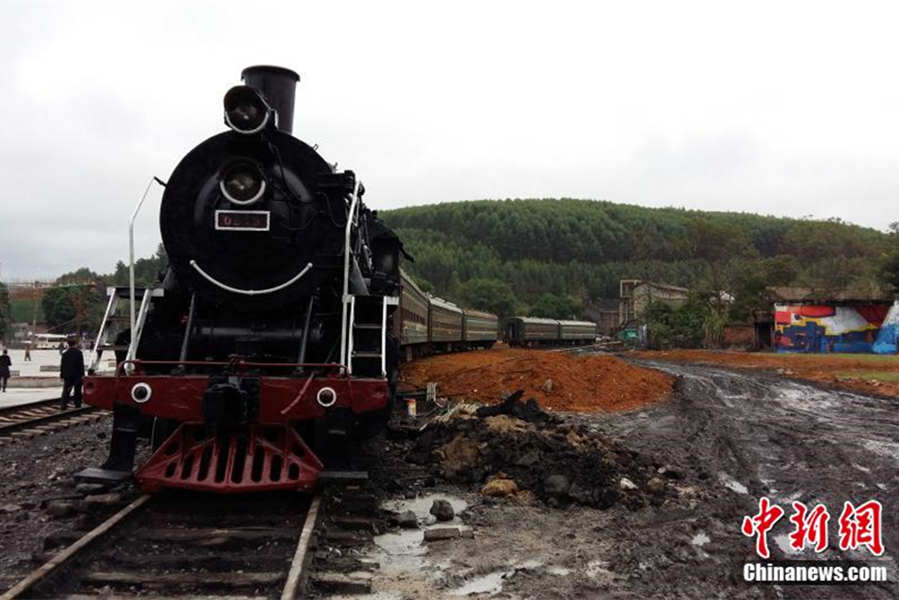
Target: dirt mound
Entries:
(559, 381)
(545, 457)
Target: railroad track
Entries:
(185, 545)
(36, 418)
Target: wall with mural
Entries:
(827, 327)
(888, 338)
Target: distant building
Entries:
(636, 294)
(603, 312)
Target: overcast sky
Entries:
(784, 108)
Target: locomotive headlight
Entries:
(245, 110)
(242, 183)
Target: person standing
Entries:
(5, 364)
(27, 353)
(71, 371)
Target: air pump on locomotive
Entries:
(269, 336)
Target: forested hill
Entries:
(577, 250)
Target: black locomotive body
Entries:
(272, 327)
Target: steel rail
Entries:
(8, 428)
(295, 575)
(11, 410)
(41, 572)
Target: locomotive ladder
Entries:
(110, 318)
(367, 342)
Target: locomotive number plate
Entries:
(242, 220)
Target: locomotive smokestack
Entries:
(279, 86)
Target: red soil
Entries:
(583, 384)
(861, 372)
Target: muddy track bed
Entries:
(189, 544)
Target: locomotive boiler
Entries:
(270, 339)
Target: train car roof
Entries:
(478, 313)
(404, 278)
(578, 323)
(446, 304)
(536, 320)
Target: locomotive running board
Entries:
(260, 458)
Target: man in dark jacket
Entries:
(5, 364)
(71, 370)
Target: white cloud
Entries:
(787, 109)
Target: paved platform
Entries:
(18, 396)
(39, 358)
(42, 371)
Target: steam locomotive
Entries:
(276, 333)
(272, 333)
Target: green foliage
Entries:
(78, 277)
(552, 306)
(889, 263)
(890, 269)
(75, 304)
(5, 311)
(58, 308)
(147, 271)
(687, 326)
(22, 310)
(580, 249)
(488, 294)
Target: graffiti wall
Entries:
(888, 338)
(827, 328)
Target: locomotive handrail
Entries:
(95, 357)
(222, 363)
(131, 243)
(346, 272)
(235, 290)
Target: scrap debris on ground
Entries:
(558, 381)
(868, 373)
(516, 449)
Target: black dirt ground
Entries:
(724, 439)
(37, 473)
(559, 462)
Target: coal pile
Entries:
(512, 406)
(515, 448)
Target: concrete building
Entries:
(636, 294)
(603, 312)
